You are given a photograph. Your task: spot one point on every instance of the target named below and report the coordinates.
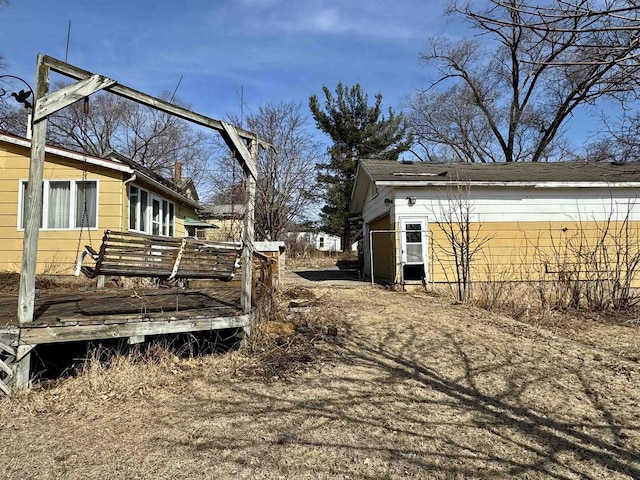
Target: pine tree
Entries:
(357, 131)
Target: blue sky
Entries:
(272, 49)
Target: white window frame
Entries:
(164, 216)
(73, 185)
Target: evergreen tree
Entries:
(357, 131)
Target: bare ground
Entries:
(416, 388)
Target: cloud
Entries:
(371, 20)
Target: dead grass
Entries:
(616, 331)
(319, 260)
(416, 388)
(10, 282)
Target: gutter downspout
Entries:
(133, 177)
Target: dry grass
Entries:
(10, 282)
(319, 260)
(417, 388)
(616, 331)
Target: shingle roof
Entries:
(528, 172)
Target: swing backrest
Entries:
(139, 255)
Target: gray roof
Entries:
(224, 210)
(527, 172)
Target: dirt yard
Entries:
(417, 387)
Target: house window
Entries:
(321, 242)
(66, 204)
(149, 213)
(86, 204)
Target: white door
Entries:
(414, 249)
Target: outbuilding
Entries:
(522, 220)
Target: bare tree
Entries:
(619, 143)
(153, 139)
(286, 182)
(530, 66)
(462, 240)
(13, 119)
(451, 127)
(286, 176)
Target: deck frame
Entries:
(244, 146)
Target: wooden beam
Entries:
(72, 333)
(7, 348)
(248, 235)
(230, 135)
(68, 95)
(33, 203)
(157, 103)
(22, 367)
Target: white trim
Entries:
(100, 162)
(426, 183)
(166, 190)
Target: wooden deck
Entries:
(103, 314)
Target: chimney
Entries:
(178, 171)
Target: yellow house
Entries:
(82, 196)
(525, 221)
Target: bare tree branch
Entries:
(537, 64)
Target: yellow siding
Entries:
(229, 230)
(520, 250)
(57, 250)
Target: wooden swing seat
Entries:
(130, 254)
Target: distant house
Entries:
(527, 212)
(320, 241)
(83, 195)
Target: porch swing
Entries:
(130, 254)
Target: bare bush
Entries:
(462, 241)
(597, 269)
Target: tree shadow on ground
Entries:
(408, 413)
(328, 275)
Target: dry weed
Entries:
(291, 334)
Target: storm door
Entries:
(414, 249)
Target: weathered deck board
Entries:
(94, 315)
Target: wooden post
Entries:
(248, 231)
(33, 203)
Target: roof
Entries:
(187, 186)
(270, 246)
(114, 161)
(192, 222)
(151, 175)
(224, 210)
(9, 138)
(385, 172)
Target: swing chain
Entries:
(85, 215)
